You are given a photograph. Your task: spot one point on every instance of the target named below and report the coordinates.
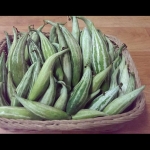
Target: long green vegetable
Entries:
(76, 73)
(42, 80)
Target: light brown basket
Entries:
(107, 124)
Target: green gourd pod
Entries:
(12, 112)
(119, 104)
(18, 65)
(43, 111)
(63, 98)
(100, 102)
(79, 95)
(88, 113)
(49, 96)
(42, 81)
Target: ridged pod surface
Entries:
(79, 95)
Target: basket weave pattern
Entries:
(105, 124)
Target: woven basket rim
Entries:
(79, 125)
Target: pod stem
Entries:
(120, 85)
(69, 18)
(54, 23)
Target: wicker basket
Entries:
(107, 124)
